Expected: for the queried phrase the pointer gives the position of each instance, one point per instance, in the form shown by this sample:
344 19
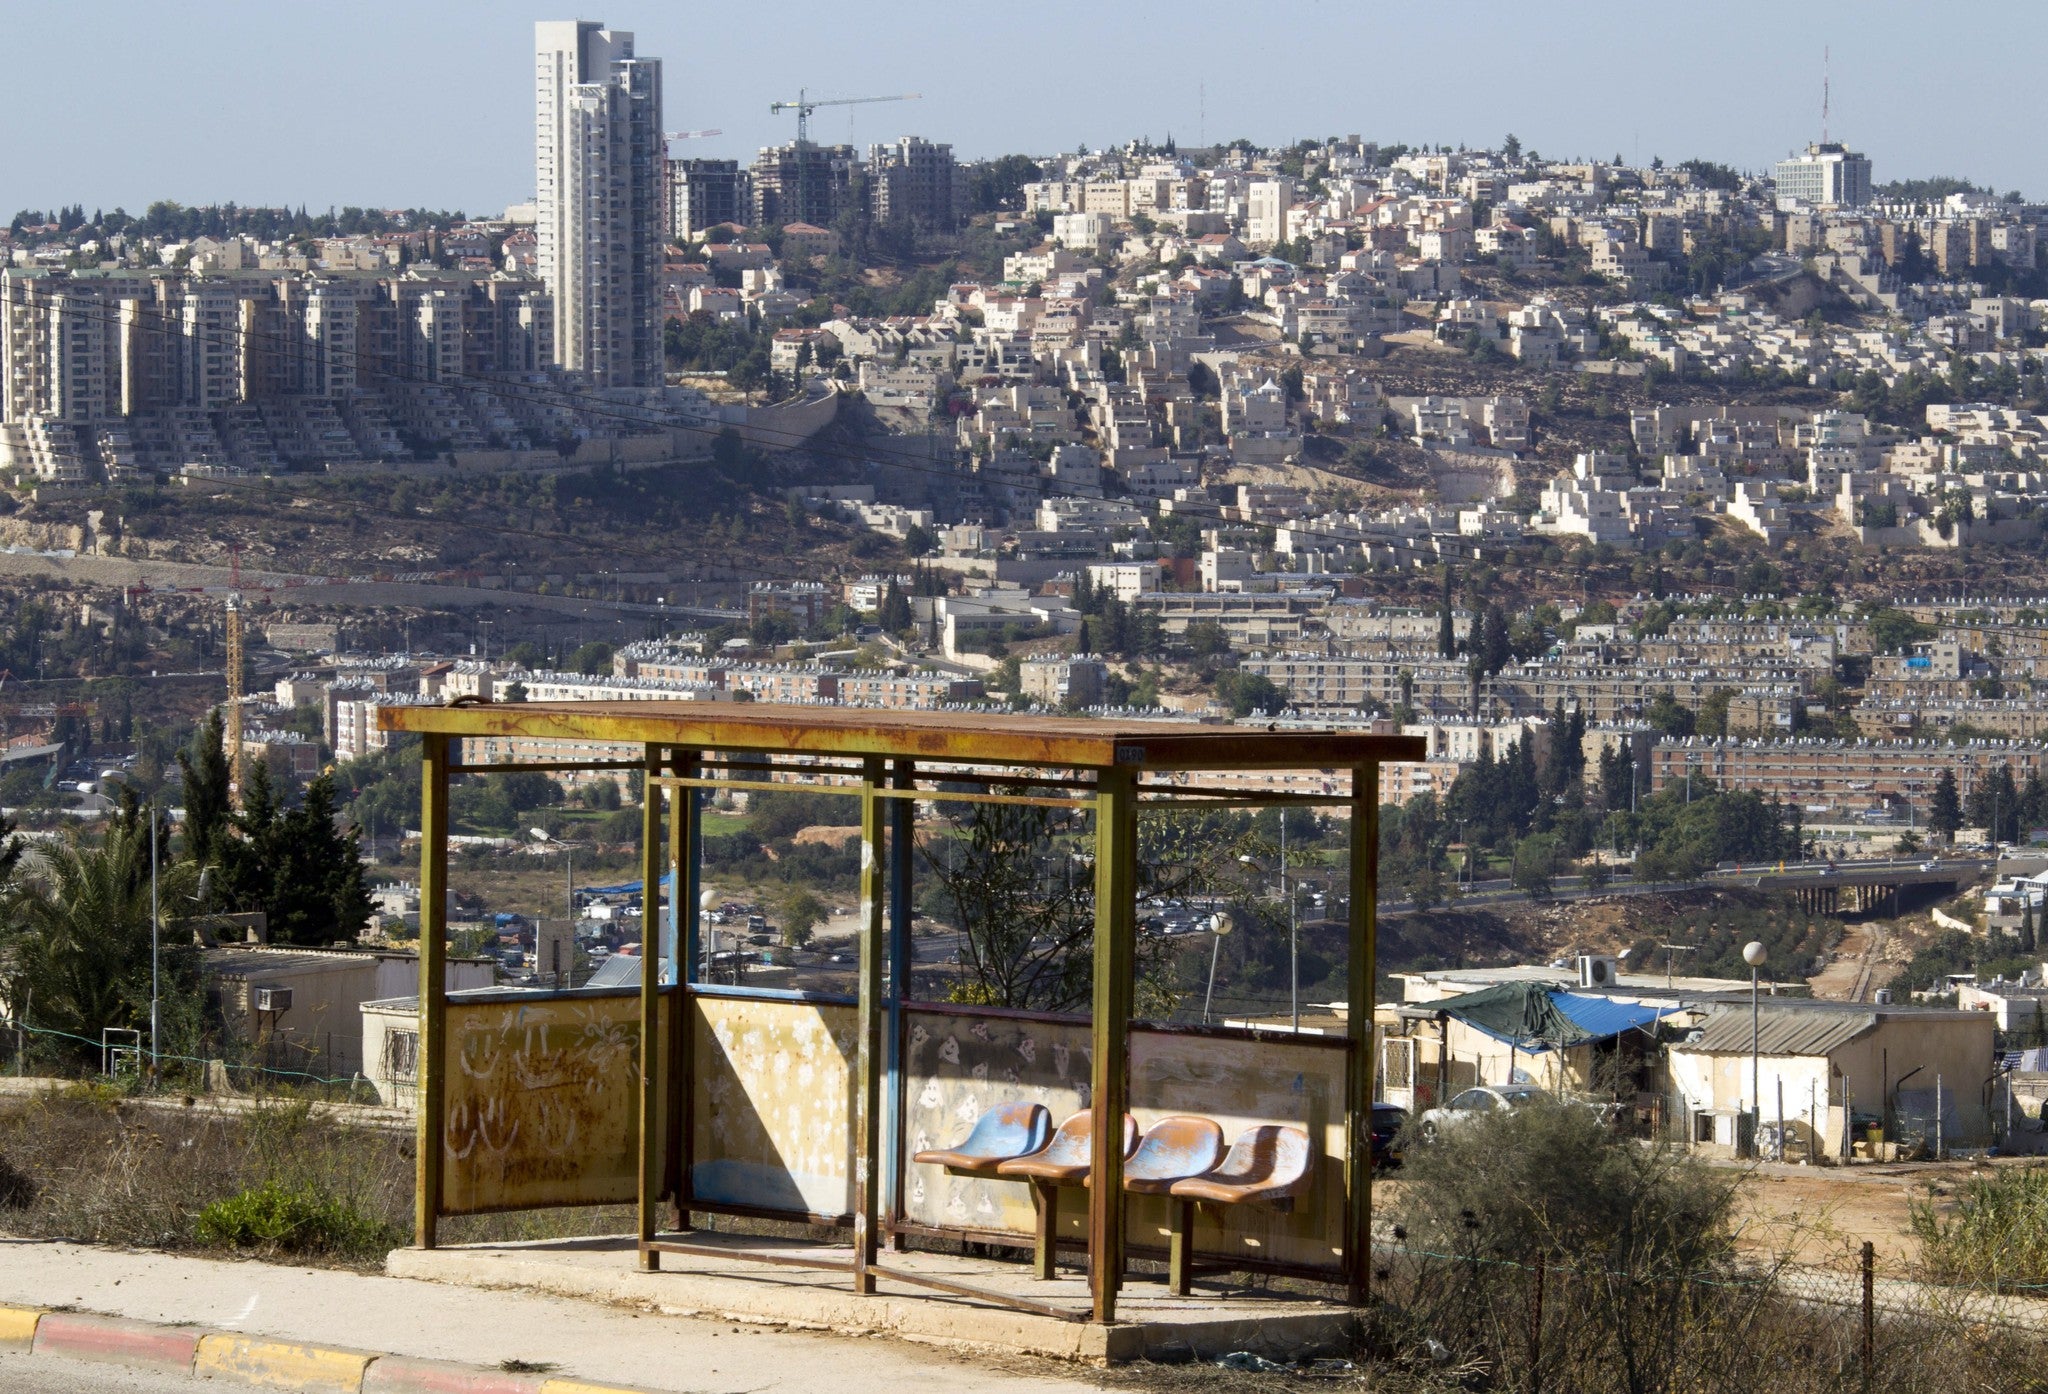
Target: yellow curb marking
18 1327
280 1364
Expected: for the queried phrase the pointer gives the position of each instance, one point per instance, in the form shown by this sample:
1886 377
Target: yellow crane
234 721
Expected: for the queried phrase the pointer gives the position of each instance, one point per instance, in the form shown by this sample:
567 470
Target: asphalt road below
114 572
42 1374
471 1326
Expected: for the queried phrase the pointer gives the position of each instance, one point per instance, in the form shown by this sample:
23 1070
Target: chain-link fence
127 1062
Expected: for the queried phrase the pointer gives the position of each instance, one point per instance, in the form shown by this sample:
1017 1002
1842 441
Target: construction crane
803 106
234 712
692 135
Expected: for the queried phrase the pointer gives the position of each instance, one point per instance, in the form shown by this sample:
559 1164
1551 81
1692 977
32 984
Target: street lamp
1220 924
1293 933
1754 954
705 902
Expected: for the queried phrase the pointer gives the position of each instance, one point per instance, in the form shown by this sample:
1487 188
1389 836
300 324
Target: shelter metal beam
902 853
685 842
433 1038
1361 990
1116 914
651 1062
868 1055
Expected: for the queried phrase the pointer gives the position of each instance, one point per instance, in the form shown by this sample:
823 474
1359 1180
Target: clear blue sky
430 102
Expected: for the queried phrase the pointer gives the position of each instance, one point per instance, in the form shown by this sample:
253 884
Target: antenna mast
1826 76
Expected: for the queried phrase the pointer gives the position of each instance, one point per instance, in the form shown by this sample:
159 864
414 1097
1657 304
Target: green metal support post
869 1056
651 1072
433 1040
685 838
1360 993
902 853
1116 908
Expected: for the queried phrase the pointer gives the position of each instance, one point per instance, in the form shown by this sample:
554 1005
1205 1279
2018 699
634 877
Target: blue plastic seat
1172 1150
1005 1132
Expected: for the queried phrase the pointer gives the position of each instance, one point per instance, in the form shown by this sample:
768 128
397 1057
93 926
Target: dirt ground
1819 1217
1822 1217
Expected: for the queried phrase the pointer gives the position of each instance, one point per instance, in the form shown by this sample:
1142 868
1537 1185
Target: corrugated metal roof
1810 1028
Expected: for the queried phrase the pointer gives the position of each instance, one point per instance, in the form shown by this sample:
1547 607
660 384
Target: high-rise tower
598 157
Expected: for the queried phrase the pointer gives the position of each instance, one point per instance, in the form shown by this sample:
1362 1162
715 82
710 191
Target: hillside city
1688 523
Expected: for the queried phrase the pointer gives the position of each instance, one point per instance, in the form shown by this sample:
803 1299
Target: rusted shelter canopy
1104 768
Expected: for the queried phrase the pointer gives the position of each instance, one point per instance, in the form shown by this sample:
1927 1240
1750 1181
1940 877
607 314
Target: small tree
1945 810
802 913
1531 873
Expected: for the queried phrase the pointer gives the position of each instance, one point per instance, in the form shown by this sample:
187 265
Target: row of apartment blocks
352 700
1854 778
1764 700
92 347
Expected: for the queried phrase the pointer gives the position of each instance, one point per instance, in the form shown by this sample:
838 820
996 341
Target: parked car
1387 1122
1483 1099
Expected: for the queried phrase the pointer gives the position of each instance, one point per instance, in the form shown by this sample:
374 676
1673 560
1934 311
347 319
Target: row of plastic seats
1182 1155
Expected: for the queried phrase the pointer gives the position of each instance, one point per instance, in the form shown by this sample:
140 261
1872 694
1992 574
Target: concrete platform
1219 1317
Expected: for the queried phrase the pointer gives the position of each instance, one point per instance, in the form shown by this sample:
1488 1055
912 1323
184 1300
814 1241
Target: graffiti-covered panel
541 1103
1240 1082
772 1115
955 1069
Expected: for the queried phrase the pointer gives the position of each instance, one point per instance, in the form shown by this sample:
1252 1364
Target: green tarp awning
1525 1014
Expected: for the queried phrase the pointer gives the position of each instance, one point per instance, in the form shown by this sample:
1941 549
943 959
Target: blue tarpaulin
1603 1017
623 888
1535 1018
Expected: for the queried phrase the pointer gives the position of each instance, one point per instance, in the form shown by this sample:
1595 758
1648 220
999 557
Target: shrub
17 1190
275 1218
1996 1235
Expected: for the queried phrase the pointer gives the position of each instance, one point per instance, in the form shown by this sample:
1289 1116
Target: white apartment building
1266 205
599 166
1826 176
1082 232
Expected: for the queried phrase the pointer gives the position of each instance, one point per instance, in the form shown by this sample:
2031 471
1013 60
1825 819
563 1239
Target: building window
401 1062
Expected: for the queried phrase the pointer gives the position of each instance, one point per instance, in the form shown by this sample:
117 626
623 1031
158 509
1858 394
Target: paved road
312 590
39 1374
475 1327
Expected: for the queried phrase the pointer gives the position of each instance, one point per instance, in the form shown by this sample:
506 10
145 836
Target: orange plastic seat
1002 1134
1266 1164
1066 1159
1173 1149
1270 1164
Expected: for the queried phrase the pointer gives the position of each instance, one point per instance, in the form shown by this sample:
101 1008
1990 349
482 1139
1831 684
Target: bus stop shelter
692 1098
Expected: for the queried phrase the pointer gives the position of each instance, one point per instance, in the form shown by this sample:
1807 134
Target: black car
1387 1122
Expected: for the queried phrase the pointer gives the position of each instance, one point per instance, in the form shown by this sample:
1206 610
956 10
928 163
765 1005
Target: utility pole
155 928
1293 936
1671 951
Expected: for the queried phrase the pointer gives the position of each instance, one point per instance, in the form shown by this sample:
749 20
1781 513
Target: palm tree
75 935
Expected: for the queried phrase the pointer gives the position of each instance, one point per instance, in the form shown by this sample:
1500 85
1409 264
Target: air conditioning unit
1599 970
273 999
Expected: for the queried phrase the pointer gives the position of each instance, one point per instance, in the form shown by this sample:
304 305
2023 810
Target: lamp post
1220 924
704 904
1754 954
1293 933
155 935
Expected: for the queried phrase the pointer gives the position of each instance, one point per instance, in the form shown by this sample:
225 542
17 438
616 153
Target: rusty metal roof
965 737
1803 1027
